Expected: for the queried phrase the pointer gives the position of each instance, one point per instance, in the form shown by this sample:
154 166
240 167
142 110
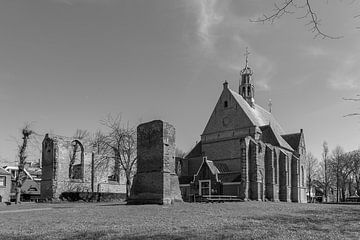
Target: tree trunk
309 200
343 194
128 185
326 183
117 165
17 195
22 158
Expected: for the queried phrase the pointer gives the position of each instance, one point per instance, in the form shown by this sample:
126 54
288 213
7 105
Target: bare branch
284 8
120 142
278 12
352 99
352 115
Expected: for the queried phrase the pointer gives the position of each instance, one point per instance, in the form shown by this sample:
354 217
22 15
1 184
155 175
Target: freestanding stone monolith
155 181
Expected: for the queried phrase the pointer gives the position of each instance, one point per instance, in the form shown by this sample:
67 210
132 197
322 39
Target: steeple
246 87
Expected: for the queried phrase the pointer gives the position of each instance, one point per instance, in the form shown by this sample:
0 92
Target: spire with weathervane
246 88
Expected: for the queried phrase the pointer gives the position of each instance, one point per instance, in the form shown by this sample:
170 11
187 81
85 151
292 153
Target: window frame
3 183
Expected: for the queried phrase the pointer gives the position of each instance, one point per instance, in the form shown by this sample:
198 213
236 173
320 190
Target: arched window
302 176
275 168
226 104
287 170
249 90
244 90
76 166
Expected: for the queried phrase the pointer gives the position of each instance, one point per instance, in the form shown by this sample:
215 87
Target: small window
2 181
226 104
32 189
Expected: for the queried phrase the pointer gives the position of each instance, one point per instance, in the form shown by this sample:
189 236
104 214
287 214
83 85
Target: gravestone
155 181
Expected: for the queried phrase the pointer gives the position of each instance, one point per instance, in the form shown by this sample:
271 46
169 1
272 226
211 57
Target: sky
67 64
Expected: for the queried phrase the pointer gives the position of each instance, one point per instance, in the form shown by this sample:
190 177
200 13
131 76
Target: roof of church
222 167
265 120
272 137
214 170
293 139
196 151
230 177
257 115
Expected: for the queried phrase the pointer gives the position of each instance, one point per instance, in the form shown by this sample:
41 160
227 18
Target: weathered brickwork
155 180
59 175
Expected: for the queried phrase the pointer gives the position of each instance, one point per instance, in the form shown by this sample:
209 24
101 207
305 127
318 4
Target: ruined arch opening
76 165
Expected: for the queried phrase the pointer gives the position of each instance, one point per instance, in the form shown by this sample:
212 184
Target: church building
244 152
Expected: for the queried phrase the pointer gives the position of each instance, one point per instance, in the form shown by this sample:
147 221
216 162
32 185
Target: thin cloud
72 2
219 31
208 17
346 75
314 51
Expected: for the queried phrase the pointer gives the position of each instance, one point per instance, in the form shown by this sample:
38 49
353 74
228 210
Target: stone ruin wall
155 180
56 152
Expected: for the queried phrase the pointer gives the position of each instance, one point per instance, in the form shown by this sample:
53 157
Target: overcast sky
66 64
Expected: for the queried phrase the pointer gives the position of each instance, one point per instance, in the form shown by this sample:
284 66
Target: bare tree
325 157
355 159
180 153
286 7
119 144
21 176
312 166
342 168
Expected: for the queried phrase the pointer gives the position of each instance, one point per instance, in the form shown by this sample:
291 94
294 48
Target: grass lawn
243 220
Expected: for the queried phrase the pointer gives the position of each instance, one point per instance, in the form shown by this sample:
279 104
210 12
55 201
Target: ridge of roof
214 170
196 151
245 107
257 115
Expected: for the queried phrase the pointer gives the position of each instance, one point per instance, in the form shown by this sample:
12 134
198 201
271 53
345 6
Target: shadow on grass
112 204
226 233
339 222
115 235
19 237
93 235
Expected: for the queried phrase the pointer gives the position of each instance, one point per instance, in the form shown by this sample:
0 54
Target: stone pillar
155 181
276 174
254 186
269 174
284 178
49 167
244 189
295 184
